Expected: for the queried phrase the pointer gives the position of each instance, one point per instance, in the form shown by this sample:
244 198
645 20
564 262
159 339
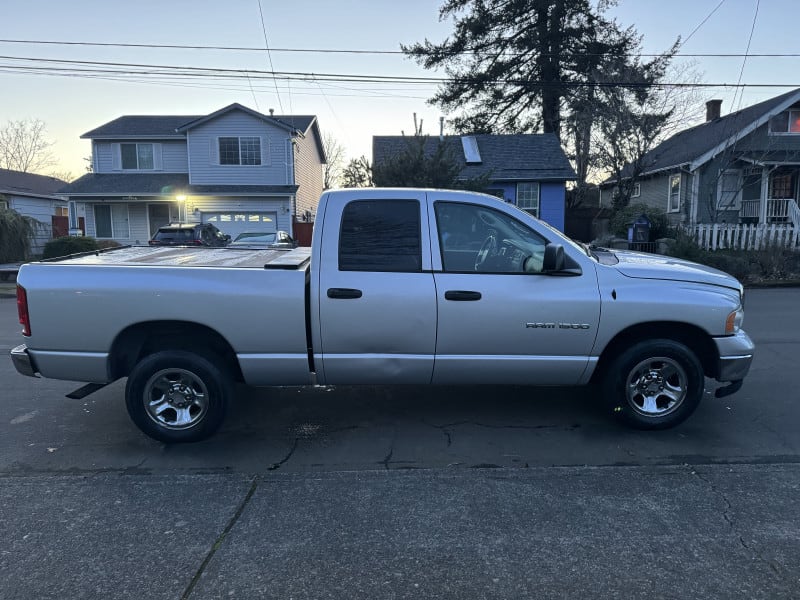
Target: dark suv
189 234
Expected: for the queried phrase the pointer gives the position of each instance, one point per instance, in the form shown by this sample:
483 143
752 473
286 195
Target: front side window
240 151
528 197
137 157
674 193
381 235
474 238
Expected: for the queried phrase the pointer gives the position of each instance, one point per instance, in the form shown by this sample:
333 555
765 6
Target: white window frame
138 144
637 190
114 234
790 113
722 203
262 156
670 179
4 203
533 207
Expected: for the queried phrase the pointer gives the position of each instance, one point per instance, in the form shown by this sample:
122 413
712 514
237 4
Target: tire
654 384
177 396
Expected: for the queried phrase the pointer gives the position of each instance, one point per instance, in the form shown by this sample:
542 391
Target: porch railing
778 209
716 236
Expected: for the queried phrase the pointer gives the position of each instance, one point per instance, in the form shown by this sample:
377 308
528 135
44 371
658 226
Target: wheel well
690 335
137 341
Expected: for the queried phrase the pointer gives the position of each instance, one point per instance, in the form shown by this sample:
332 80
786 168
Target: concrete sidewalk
725 531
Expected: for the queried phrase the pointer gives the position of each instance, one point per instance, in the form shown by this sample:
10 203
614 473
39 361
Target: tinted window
381 235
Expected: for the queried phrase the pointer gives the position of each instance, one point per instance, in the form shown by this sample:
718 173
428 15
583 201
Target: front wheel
178 396
654 384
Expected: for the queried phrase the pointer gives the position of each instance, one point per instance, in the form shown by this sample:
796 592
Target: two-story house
236 168
740 168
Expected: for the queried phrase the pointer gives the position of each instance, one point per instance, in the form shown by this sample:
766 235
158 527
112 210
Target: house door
158 215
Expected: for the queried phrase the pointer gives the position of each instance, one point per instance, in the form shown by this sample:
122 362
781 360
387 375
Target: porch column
762 206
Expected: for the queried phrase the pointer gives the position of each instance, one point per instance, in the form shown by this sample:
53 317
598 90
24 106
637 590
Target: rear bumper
23 362
735 355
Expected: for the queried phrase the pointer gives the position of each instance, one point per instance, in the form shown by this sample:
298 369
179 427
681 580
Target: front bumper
23 362
735 355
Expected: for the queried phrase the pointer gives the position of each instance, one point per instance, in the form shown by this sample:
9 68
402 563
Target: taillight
22 309
198 243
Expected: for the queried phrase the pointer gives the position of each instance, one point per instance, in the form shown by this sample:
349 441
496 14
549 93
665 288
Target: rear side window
381 235
175 235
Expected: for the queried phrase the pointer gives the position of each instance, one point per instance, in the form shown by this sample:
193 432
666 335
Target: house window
729 190
3 204
382 235
61 211
240 151
787 122
137 157
636 191
528 197
782 185
674 193
102 221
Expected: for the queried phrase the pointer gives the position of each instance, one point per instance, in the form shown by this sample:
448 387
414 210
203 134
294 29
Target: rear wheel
178 396
654 384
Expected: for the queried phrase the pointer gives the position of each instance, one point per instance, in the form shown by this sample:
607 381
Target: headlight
734 321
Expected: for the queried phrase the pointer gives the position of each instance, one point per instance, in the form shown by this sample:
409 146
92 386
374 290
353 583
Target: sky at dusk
352 112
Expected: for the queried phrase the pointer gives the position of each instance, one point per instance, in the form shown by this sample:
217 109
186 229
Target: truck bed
186 256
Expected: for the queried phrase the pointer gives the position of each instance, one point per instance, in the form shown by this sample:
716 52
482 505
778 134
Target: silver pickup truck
400 286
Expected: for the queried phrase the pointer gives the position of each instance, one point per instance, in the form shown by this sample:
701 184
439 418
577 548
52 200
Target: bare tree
24 147
334 153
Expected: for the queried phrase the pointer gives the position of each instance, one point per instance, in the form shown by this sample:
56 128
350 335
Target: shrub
64 246
622 219
16 233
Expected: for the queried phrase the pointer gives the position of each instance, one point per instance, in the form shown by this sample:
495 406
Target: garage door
235 223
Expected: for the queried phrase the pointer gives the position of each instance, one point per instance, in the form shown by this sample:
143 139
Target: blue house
528 170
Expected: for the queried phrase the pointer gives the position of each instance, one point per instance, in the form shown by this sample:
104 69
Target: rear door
377 301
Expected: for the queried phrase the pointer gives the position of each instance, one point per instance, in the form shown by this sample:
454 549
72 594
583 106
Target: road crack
280 463
220 539
726 515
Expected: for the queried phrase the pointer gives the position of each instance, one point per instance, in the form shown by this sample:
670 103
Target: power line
371 51
78 67
269 55
703 22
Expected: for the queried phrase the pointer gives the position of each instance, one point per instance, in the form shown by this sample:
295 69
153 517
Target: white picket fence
716 236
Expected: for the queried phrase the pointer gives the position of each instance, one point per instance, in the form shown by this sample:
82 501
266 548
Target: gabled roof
699 144
28 184
141 127
298 123
518 157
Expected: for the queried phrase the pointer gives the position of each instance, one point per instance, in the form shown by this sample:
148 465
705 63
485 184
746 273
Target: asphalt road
394 492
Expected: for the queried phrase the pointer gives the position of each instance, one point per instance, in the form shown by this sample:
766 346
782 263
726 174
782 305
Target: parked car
393 290
189 234
264 239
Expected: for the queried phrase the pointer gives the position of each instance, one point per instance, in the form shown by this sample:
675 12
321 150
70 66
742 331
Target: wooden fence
716 236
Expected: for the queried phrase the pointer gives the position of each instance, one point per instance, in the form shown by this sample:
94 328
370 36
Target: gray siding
41 209
761 140
204 167
654 192
130 221
308 174
173 154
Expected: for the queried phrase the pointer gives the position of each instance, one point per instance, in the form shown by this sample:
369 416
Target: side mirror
553 258
227 238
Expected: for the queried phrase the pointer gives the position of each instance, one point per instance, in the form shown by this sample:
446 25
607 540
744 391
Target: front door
501 320
377 299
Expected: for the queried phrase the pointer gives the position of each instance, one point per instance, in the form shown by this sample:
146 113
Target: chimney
272 111
713 110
